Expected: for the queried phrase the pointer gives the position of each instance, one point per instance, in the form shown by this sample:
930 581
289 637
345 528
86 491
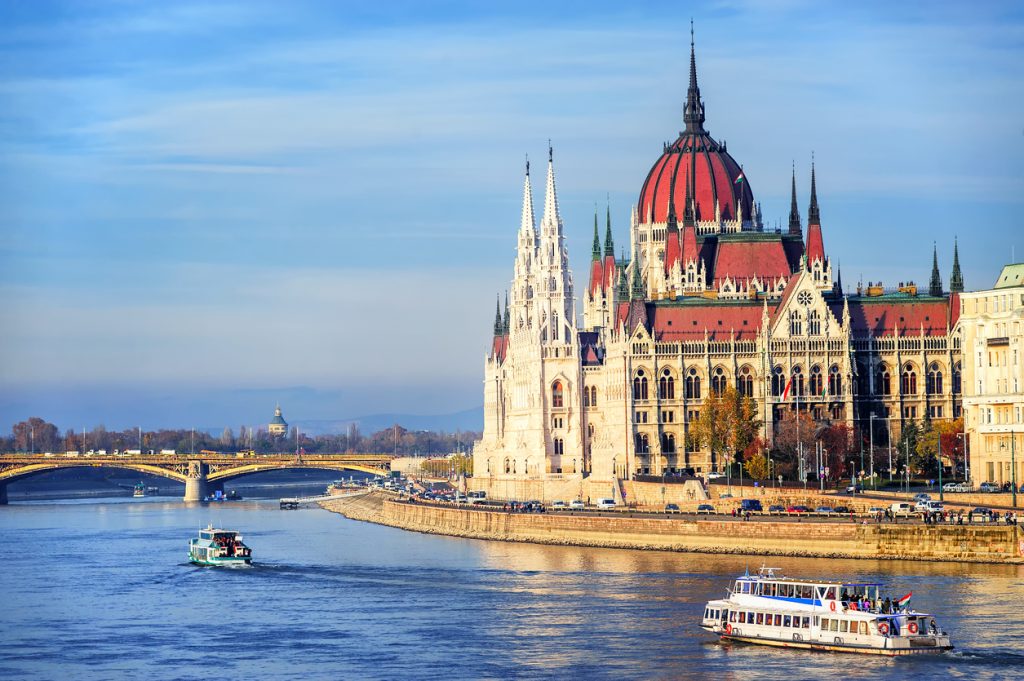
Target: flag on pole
903 601
739 178
785 393
824 388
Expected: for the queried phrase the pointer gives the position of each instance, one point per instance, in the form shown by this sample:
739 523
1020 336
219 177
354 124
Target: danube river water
101 589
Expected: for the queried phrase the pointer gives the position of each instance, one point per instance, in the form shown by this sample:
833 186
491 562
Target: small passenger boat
849 617
218 547
140 490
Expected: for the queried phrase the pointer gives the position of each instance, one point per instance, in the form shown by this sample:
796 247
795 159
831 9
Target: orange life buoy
728 628
883 628
912 627
832 605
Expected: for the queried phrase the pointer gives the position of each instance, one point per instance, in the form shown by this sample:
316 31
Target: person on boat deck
887 605
845 596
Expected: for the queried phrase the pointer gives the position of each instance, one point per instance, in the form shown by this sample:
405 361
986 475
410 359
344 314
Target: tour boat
218 547
140 490
848 617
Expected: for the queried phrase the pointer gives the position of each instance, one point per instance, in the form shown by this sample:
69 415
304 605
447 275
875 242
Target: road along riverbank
833 539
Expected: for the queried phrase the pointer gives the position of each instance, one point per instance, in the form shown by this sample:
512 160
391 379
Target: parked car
902 508
854 489
797 509
988 487
716 476
725 496
706 508
824 510
876 509
844 510
558 506
671 508
605 504
751 506
922 497
576 505
980 513
776 508
951 487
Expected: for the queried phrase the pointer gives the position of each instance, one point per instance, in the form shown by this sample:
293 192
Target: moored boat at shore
769 609
218 547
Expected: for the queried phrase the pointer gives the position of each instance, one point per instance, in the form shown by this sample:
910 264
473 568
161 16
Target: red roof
689 322
689 244
744 260
714 180
815 244
498 348
610 271
881 317
673 251
596 276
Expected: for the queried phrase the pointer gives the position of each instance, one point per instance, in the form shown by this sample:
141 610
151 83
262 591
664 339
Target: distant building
993 342
277 425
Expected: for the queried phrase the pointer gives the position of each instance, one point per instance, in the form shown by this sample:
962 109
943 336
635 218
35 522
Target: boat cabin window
864 628
760 618
844 626
732 616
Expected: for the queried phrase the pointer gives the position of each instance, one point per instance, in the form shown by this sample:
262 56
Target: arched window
745 382
815 381
590 431
883 381
778 382
796 327
692 385
640 386
559 446
957 387
668 443
557 396
718 381
643 444
934 381
813 323
586 396
667 386
835 381
798 381
908 381
508 465
554 326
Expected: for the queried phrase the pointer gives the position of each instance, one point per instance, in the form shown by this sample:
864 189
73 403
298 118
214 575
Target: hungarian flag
903 601
785 393
739 178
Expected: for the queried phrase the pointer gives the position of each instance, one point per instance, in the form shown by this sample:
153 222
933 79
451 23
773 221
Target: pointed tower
935 283
693 111
593 301
498 326
521 300
956 280
814 256
554 291
506 323
794 212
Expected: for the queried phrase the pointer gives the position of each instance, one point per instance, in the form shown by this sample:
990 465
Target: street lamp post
871 457
940 467
1013 466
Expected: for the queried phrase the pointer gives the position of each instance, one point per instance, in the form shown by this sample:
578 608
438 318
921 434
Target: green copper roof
1012 275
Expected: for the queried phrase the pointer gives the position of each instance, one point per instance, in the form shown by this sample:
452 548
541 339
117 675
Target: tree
837 439
755 458
907 445
35 434
925 455
793 430
727 424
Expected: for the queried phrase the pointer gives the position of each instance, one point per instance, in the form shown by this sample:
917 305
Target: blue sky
317 201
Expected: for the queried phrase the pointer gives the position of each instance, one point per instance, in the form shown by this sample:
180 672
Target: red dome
714 172
715 175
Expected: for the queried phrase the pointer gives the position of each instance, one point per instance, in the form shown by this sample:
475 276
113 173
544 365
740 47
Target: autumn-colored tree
755 460
924 456
36 434
727 424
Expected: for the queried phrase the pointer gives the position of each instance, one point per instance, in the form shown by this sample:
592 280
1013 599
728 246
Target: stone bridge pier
197 485
3 494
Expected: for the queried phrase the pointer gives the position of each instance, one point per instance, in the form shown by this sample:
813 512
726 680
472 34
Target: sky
210 207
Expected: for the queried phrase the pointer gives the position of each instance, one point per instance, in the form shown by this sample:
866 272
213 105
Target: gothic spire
794 212
609 247
551 220
813 216
597 239
693 112
636 291
497 317
528 221
688 217
956 280
935 284
507 321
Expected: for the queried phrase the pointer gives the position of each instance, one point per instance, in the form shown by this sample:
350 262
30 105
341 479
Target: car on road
797 509
876 509
706 508
844 510
824 510
576 505
727 495
956 487
751 506
921 496
716 476
988 487
854 489
606 504
558 506
902 508
776 508
980 513
671 508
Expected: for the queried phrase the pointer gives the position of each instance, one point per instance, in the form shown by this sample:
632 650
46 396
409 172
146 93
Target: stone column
196 486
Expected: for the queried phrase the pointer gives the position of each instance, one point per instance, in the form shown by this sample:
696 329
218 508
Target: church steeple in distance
935 283
956 280
597 238
693 112
609 247
794 212
813 215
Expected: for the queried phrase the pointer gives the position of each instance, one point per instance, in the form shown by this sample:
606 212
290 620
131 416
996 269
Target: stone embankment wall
979 544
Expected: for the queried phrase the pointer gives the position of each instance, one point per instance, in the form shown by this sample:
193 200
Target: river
101 589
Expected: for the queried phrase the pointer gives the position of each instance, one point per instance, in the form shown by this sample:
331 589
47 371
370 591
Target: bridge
201 474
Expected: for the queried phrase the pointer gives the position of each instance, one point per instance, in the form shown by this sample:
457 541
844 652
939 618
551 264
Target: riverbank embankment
967 543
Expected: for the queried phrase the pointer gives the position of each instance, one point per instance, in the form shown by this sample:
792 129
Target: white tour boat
849 617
